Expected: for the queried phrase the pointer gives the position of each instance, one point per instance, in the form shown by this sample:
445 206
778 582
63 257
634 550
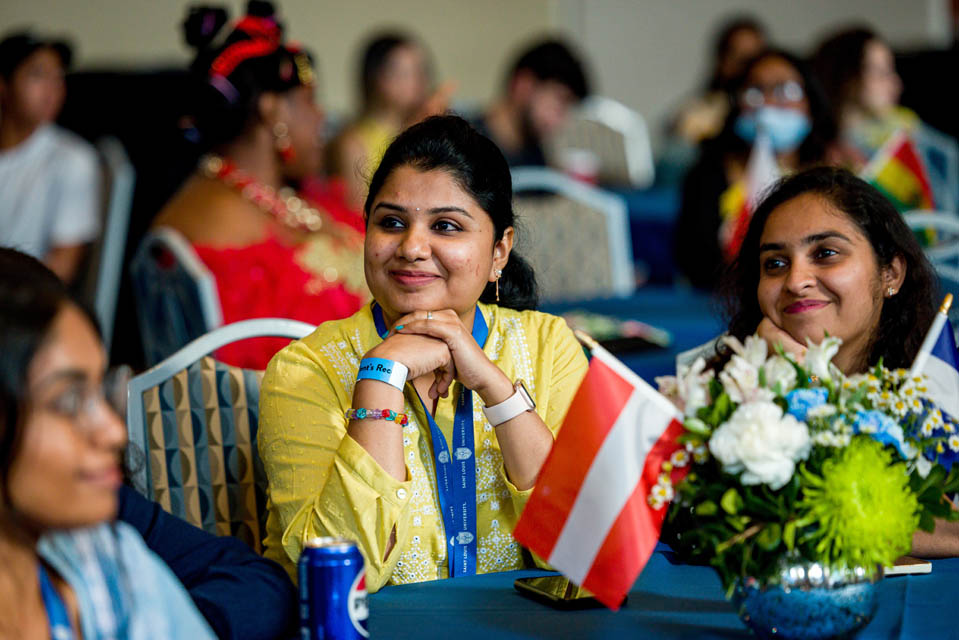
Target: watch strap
518 403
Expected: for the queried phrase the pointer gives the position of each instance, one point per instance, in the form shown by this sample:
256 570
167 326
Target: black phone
557 592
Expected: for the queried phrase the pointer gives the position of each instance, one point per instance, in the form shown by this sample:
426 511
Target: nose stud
429 315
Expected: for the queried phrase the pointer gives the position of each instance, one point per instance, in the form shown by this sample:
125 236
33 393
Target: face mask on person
786 128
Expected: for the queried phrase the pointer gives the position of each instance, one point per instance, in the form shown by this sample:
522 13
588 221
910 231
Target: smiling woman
827 254
66 567
417 426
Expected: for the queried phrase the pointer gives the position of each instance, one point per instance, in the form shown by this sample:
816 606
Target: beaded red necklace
284 205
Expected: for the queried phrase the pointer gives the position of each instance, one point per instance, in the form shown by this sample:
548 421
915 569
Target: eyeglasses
82 403
756 95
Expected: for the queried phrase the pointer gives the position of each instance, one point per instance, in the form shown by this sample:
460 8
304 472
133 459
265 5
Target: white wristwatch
514 405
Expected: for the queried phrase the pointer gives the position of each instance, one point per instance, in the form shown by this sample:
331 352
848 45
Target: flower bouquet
797 476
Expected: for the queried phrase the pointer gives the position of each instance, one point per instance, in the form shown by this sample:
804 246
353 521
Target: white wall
650 53
471 40
647 53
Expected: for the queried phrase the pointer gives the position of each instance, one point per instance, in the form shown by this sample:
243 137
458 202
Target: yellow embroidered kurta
322 483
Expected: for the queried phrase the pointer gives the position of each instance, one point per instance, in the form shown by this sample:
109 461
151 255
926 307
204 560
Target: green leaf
927 522
731 502
697 426
770 536
789 534
707 508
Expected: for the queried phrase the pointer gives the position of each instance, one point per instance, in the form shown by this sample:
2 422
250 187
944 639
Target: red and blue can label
332 577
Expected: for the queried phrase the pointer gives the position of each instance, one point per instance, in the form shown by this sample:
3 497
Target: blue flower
802 400
883 428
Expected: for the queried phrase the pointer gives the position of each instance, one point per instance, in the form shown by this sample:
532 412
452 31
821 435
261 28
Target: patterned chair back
176 294
576 237
193 422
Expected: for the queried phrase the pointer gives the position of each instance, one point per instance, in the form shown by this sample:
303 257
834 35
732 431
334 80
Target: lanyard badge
456 467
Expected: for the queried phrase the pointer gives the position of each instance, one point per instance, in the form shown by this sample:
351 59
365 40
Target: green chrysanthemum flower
863 504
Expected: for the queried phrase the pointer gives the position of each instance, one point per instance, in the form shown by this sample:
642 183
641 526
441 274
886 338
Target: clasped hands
443 345
775 335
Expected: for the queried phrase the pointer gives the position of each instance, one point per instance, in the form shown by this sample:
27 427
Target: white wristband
388 371
519 402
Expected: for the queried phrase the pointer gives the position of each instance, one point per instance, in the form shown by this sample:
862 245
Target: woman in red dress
272 253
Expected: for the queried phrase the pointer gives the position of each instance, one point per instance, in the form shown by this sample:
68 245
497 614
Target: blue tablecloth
668 601
691 318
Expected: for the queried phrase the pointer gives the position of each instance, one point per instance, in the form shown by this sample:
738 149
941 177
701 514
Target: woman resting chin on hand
827 254
417 426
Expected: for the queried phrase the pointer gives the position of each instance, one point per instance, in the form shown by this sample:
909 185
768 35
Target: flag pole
586 339
931 337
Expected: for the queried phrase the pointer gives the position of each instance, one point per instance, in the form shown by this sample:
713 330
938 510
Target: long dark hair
450 144
376 55
823 133
905 317
31 296
838 62
231 76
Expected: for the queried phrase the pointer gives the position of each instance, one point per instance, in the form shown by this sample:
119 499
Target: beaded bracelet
377 414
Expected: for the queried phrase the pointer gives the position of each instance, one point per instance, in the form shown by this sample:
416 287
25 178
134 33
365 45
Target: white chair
576 236
101 282
194 421
940 154
615 134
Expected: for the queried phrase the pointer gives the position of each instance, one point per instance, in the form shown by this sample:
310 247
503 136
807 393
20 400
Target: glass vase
808 600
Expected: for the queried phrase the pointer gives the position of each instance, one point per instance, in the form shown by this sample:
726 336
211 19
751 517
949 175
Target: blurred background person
395 91
49 178
778 95
858 72
272 253
737 42
545 82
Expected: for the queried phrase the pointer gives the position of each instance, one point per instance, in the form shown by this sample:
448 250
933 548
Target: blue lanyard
456 472
60 627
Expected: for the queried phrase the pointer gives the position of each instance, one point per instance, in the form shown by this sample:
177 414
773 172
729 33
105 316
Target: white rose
780 371
819 356
762 443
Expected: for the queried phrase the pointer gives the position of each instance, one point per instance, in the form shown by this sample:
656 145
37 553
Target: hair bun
260 9
202 24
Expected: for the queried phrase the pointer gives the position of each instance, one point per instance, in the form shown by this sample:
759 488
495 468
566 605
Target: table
691 317
669 600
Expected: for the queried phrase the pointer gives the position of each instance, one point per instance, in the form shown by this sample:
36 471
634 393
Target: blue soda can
332 578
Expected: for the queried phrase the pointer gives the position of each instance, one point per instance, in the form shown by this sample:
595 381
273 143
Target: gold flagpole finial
586 339
946 304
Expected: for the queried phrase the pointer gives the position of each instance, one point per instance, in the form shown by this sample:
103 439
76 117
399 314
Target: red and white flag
590 515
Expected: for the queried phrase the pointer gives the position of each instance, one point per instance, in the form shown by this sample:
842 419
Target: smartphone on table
557 591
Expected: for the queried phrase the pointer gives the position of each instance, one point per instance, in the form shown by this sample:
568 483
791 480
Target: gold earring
284 146
499 274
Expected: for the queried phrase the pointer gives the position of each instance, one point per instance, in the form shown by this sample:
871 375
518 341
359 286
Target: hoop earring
282 142
499 274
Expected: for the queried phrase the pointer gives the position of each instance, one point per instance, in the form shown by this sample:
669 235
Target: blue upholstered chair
176 294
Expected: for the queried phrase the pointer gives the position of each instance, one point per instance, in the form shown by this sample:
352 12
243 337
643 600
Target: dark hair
376 55
553 60
905 316
231 76
450 144
823 133
838 62
17 47
723 43
31 296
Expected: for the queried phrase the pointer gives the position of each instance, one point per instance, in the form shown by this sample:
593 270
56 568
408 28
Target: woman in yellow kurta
439 495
